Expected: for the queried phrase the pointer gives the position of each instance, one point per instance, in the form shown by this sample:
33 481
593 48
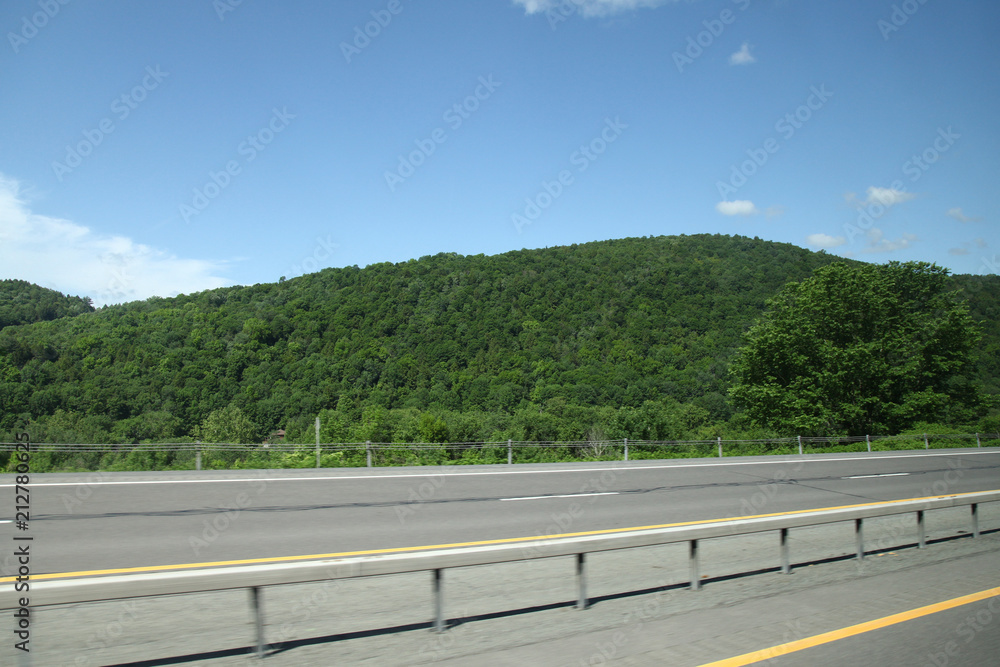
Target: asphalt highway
104 521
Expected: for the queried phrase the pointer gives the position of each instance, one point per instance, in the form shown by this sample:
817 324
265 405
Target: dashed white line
885 474
569 495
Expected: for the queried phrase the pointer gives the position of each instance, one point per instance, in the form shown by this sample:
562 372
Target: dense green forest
22 302
623 338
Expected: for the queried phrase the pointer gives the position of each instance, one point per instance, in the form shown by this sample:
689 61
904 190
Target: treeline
624 338
22 302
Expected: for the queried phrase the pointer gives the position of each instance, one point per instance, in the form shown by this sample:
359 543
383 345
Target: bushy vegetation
626 338
22 302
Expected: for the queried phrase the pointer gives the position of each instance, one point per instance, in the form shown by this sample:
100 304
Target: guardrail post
978 441
626 449
510 452
439 624
581 581
368 452
786 563
317 442
975 520
859 537
258 618
693 565
868 439
197 456
927 444
921 530
720 446
800 445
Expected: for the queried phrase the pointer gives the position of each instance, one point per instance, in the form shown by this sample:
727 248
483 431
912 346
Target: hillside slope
605 325
22 302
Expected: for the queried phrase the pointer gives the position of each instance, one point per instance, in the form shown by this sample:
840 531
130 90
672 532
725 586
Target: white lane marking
616 467
885 474
570 495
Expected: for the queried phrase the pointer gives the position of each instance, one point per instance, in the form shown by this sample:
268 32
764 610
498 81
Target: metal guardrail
255 577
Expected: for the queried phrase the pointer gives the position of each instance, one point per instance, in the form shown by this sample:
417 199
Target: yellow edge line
508 540
834 635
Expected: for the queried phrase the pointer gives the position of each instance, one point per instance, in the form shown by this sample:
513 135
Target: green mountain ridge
22 302
626 336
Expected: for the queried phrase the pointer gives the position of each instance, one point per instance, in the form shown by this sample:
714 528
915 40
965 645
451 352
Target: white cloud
980 243
957 214
887 197
743 56
738 207
878 243
825 241
774 211
958 251
62 255
588 7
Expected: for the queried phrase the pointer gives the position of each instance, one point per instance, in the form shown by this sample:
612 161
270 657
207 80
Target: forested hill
22 302
534 343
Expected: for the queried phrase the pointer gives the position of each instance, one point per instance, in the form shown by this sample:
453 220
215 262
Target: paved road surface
517 614
126 520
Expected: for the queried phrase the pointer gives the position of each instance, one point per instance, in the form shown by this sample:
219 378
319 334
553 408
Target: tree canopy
860 349
22 302
623 338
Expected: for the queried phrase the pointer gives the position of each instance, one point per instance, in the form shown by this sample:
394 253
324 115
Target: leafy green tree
230 425
859 349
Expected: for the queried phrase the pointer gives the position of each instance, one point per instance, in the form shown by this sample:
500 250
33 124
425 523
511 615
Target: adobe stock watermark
223 7
325 247
899 17
701 42
562 12
593 488
786 127
419 494
227 517
31 25
122 107
881 200
976 621
248 149
454 116
111 634
363 35
581 158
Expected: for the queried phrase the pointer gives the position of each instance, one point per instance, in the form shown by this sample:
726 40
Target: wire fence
56 457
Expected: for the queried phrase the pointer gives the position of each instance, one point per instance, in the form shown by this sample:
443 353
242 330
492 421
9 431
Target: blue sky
154 148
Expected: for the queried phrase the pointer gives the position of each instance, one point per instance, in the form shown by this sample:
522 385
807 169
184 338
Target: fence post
626 449
720 446
868 439
317 442
978 442
197 456
786 562
581 581
800 445
693 568
927 444
258 617
510 452
438 586
368 452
